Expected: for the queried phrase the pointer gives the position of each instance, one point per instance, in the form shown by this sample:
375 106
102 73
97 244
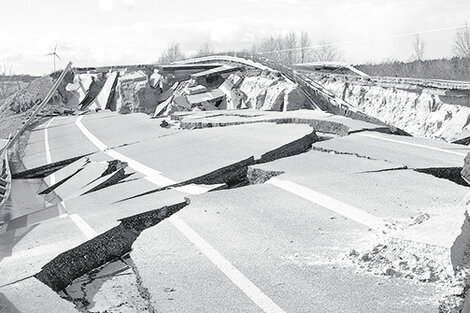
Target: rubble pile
417 262
162 93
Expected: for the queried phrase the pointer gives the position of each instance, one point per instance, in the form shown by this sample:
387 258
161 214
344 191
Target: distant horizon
110 32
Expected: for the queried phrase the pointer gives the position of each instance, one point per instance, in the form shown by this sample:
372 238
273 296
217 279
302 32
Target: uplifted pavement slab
116 129
292 250
64 142
325 122
194 153
378 187
409 151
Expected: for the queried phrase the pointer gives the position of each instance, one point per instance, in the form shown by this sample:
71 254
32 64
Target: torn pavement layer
114 243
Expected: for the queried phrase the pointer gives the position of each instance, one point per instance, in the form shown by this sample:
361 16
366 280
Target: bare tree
462 42
5 84
418 47
268 48
289 47
304 43
326 52
172 54
205 49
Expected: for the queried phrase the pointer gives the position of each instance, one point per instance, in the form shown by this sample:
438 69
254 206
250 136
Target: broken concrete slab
353 178
223 69
163 106
398 149
314 249
90 173
135 94
104 97
103 248
243 141
194 90
234 97
214 96
320 121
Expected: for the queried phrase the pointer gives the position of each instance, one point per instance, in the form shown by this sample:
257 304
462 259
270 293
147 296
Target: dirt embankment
432 109
16 108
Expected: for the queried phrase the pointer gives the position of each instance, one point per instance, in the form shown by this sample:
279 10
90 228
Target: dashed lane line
331 204
240 280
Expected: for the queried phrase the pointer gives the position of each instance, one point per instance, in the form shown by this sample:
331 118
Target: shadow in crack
235 175
449 173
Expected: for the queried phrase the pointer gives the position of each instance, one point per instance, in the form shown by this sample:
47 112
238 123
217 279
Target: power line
368 39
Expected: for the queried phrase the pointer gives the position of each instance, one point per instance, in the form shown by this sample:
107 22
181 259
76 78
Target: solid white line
48 150
151 174
412 144
331 204
253 292
83 226
240 280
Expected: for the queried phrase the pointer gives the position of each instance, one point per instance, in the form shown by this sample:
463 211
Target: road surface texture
269 214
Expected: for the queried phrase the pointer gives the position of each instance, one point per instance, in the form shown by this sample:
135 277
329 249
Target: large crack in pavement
113 287
235 175
117 242
47 169
112 244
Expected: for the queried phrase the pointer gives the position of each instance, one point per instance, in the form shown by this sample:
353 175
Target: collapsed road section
222 186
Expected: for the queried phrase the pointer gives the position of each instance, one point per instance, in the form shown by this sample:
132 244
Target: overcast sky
103 32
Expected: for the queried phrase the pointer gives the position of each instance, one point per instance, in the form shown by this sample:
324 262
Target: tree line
293 47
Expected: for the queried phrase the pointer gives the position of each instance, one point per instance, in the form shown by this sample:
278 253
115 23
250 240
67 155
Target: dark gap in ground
46 170
112 244
56 185
386 170
235 175
347 153
452 174
464 141
113 166
117 242
115 178
449 173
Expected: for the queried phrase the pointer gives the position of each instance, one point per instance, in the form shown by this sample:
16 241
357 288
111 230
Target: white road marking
155 177
240 280
332 204
62 210
151 174
48 149
83 226
412 144
79 222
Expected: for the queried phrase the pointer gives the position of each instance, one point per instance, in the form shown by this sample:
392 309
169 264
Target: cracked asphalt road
251 249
